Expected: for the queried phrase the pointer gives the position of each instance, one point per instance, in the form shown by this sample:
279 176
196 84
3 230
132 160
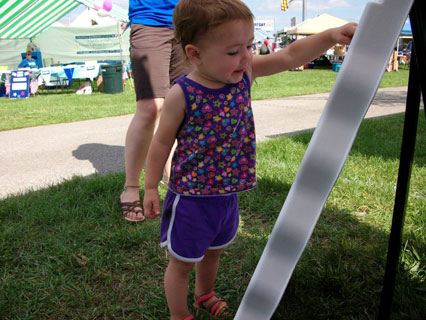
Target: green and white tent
25 19
28 18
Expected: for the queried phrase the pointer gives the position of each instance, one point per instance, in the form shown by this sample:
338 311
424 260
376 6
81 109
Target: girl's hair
193 18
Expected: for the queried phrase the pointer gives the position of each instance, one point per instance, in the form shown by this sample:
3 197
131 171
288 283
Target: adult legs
138 138
150 55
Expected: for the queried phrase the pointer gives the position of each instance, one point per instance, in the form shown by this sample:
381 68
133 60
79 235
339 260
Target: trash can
111 75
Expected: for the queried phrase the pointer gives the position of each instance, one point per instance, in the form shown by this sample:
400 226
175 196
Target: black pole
418 27
416 84
406 158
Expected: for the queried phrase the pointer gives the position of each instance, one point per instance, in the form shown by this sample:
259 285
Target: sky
350 10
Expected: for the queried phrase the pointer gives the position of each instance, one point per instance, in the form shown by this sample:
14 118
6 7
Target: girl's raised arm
301 51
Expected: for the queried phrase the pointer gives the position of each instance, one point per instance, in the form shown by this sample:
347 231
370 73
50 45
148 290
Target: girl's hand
345 33
151 203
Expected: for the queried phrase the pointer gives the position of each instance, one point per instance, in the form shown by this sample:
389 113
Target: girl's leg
206 272
176 281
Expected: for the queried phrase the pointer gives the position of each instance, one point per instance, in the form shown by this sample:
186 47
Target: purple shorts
192 225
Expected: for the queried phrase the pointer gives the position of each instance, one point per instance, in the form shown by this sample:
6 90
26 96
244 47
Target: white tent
79 44
10 52
316 25
63 44
89 37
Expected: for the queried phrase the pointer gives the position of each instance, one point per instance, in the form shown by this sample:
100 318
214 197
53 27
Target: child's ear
193 53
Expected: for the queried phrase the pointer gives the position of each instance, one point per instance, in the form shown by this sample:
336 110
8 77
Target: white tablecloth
51 76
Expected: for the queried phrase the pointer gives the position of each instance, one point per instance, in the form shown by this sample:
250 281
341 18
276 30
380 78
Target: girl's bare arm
301 51
172 115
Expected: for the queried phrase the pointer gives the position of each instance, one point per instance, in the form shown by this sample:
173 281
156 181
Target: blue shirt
31 63
154 13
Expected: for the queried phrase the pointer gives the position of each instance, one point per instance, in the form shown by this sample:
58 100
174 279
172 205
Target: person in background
264 49
273 46
209 112
30 63
156 62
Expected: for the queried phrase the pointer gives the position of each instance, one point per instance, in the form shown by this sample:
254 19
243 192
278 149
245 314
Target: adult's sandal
132 207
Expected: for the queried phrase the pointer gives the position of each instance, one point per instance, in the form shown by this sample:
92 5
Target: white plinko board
349 100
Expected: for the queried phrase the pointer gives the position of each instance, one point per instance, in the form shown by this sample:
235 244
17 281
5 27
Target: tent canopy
316 25
28 18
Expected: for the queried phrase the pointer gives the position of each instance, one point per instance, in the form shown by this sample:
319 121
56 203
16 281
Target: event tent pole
416 84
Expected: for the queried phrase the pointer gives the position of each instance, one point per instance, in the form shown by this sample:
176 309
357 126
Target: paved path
34 158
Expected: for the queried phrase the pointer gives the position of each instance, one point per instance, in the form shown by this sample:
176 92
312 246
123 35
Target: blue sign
19 84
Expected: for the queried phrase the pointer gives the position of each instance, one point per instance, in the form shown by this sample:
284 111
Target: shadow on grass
66 253
339 275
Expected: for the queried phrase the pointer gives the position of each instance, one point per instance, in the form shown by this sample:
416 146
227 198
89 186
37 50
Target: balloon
107 5
102 13
96 6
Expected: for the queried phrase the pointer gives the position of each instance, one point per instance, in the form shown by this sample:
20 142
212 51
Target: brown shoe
131 207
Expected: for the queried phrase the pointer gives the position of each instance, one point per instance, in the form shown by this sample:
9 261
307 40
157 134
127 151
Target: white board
349 100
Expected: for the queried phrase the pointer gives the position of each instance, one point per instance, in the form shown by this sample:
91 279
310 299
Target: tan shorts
157 60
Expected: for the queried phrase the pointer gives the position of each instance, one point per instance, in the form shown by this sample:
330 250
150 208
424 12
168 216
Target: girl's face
225 52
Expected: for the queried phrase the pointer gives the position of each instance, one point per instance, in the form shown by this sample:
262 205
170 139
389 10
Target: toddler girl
208 111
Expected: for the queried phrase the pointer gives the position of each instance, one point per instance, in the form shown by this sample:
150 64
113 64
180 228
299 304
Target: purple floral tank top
216 150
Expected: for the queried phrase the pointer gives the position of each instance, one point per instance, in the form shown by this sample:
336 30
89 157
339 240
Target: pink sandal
217 308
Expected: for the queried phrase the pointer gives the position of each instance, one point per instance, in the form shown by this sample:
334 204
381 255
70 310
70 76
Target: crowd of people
266 46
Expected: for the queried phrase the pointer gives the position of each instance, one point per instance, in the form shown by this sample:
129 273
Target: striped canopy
28 18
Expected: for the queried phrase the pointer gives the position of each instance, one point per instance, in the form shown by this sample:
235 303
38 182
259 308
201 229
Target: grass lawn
50 107
67 254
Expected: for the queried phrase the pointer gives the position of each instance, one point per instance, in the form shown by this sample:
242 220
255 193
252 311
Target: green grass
57 107
66 253
295 83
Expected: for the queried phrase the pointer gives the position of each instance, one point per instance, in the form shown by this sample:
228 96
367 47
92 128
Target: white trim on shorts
226 244
168 242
